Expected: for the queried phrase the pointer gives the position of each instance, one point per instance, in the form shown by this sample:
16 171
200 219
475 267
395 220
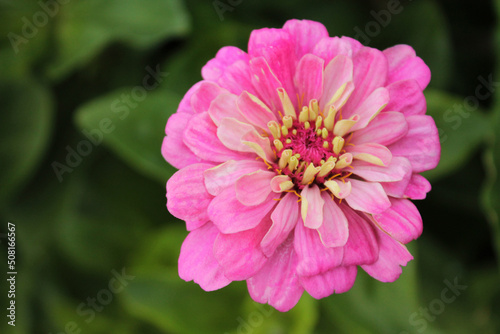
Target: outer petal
187 198
313 256
254 110
306 34
225 175
402 221
173 148
239 253
277 47
418 187
337 280
387 128
254 188
200 136
338 72
397 170
284 217
330 47
265 83
277 282
421 144
370 72
334 231
407 98
203 96
368 197
312 206
224 106
392 256
230 216
370 152
369 108
309 78
404 64
361 247
197 262
237 78
225 57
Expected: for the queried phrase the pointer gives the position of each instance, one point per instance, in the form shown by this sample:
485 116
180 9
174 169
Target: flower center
311 148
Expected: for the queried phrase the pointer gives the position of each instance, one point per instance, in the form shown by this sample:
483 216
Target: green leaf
160 297
25 125
134 130
86 27
461 130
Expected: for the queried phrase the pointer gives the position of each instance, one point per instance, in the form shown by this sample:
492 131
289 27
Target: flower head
297 162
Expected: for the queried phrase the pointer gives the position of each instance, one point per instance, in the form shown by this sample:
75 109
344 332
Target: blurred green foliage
86 89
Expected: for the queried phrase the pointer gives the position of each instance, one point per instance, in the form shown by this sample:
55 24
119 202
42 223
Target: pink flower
297 162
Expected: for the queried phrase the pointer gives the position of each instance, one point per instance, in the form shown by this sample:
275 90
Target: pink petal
398 188
418 187
368 197
185 104
197 262
369 108
225 57
392 255
397 170
231 132
361 247
239 253
370 72
337 280
334 231
278 49
173 148
306 34
330 47
421 144
277 283
203 96
309 78
312 206
338 72
313 256
370 152
224 106
225 175
230 216
259 145
385 129
407 98
187 198
404 64
254 188
237 78
265 83
284 217
402 220
255 111
200 136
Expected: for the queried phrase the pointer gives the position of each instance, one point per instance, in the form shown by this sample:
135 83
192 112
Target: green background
106 213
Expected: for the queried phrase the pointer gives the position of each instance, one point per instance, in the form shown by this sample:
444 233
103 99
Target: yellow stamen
325 144
284 130
319 120
304 115
330 119
326 168
310 173
342 127
307 125
288 141
313 109
288 121
278 144
294 131
287 104
293 163
324 133
275 129
285 157
344 161
338 144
